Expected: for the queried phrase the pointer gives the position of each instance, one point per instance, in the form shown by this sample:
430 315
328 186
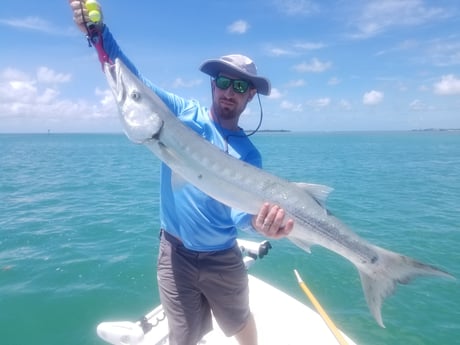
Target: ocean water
79 227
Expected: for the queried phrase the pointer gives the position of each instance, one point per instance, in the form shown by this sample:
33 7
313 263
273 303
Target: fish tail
392 268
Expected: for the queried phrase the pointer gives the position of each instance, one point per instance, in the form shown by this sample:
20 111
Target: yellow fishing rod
338 335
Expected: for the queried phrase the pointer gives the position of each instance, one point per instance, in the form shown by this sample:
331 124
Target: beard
227 109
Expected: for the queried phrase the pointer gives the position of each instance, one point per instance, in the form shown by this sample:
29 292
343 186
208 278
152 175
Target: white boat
280 318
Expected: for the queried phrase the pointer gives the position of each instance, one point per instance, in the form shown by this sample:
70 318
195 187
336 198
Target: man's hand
80 14
271 223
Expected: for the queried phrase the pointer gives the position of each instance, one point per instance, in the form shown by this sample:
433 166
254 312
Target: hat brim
214 67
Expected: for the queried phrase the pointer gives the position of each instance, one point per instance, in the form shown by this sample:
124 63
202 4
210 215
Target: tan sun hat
239 66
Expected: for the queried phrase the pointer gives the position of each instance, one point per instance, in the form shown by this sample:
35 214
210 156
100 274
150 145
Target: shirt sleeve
243 221
175 103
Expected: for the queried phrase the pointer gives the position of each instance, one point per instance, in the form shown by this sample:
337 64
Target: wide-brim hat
239 66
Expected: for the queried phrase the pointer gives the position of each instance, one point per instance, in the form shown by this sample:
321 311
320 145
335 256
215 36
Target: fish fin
392 269
305 245
319 192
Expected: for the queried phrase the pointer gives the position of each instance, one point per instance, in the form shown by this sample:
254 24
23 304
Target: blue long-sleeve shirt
199 221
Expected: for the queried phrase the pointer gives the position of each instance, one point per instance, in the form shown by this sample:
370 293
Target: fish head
138 110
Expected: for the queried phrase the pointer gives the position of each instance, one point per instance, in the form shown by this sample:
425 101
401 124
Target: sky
333 65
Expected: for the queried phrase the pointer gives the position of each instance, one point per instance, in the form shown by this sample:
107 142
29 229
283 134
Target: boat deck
280 319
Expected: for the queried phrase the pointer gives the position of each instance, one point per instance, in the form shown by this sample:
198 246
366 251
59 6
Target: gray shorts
191 284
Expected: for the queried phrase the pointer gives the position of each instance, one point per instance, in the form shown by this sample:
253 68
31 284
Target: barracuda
147 120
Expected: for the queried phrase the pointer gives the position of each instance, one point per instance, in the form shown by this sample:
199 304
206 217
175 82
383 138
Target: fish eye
135 95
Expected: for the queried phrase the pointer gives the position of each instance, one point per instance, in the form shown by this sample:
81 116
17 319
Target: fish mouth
112 73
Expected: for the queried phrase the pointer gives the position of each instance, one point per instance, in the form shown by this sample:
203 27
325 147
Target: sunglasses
239 85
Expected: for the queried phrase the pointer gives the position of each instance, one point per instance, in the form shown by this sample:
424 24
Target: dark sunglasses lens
223 83
240 86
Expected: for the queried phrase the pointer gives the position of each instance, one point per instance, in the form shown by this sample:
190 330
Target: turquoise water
79 221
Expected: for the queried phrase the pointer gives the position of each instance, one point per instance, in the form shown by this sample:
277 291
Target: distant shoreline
270 131
436 130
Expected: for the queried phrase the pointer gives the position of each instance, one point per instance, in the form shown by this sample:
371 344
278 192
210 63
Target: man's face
229 104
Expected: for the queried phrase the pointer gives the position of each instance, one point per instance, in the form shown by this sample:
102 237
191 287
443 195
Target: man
200 267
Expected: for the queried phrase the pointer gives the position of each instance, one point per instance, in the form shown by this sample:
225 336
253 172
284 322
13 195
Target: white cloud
179 82
418 105
286 105
315 66
334 81
294 49
274 51
30 97
275 94
48 76
378 16
296 83
47 96
17 91
373 97
106 99
106 106
308 46
238 27
35 24
448 85
13 74
32 23
445 51
319 103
